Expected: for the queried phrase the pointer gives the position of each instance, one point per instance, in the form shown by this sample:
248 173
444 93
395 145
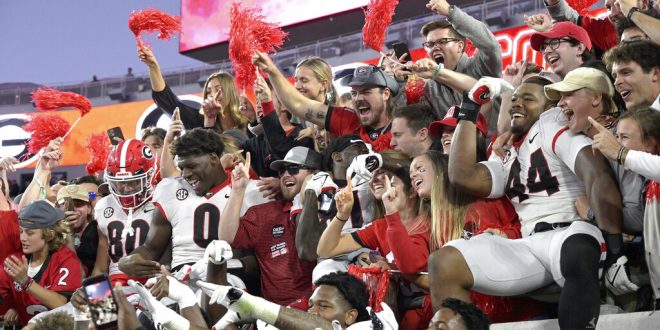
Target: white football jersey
195 219
539 176
111 220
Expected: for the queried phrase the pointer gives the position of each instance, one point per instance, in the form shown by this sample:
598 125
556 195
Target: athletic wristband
614 244
469 110
437 71
631 12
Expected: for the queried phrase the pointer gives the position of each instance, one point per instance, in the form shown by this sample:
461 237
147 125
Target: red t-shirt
267 229
496 213
10 241
344 121
410 253
61 272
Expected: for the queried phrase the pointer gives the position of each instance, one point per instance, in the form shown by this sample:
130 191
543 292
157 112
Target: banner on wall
130 117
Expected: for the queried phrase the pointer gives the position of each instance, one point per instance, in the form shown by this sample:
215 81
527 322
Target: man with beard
372 89
445 42
269 229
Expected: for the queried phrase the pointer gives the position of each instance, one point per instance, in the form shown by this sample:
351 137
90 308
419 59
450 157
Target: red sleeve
342 121
10 241
6 291
247 231
267 107
497 213
67 274
411 253
368 236
601 31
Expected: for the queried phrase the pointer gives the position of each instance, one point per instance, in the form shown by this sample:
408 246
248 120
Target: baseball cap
436 127
39 214
370 75
590 78
338 145
299 156
560 30
73 191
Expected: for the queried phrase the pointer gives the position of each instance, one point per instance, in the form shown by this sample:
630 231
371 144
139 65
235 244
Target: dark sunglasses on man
292 169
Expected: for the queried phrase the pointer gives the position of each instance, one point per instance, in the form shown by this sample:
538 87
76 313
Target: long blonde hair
230 100
449 205
398 164
323 72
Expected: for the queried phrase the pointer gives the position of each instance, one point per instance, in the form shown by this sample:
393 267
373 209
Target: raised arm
332 242
147 57
650 25
309 229
142 261
230 217
39 187
561 11
426 68
167 166
464 171
293 101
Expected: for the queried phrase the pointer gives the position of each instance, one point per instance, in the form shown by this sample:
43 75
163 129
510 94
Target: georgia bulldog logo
181 194
146 152
108 212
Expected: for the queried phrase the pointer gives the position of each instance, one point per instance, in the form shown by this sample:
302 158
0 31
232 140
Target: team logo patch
181 194
278 231
108 212
146 152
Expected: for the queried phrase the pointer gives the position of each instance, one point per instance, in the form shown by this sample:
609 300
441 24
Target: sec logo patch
108 212
181 194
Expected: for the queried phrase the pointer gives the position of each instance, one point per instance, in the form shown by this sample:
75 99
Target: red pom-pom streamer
581 6
48 99
377 282
151 21
43 128
98 146
414 90
249 32
378 17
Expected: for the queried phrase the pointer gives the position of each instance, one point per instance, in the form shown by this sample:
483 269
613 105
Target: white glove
386 317
218 252
244 304
616 278
181 293
320 183
230 317
362 168
163 317
487 88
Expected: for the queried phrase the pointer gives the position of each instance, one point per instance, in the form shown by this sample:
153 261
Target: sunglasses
292 169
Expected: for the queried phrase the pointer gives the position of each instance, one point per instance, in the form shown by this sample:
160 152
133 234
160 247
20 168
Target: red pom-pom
43 128
48 99
581 6
414 90
378 17
249 32
377 282
98 146
151 21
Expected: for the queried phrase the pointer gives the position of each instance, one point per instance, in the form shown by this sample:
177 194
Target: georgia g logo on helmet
129 171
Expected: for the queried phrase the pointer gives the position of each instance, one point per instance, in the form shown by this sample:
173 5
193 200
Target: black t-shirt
86 250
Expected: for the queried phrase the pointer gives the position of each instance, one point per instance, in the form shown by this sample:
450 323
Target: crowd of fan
306 209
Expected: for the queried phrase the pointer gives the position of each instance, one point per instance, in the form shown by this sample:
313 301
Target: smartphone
68 204
400 48
326 202
115 135
101 301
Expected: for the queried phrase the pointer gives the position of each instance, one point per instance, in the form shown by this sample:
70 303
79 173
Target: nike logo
226 195
533 137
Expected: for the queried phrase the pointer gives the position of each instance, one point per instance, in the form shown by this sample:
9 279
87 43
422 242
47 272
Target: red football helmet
129 173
